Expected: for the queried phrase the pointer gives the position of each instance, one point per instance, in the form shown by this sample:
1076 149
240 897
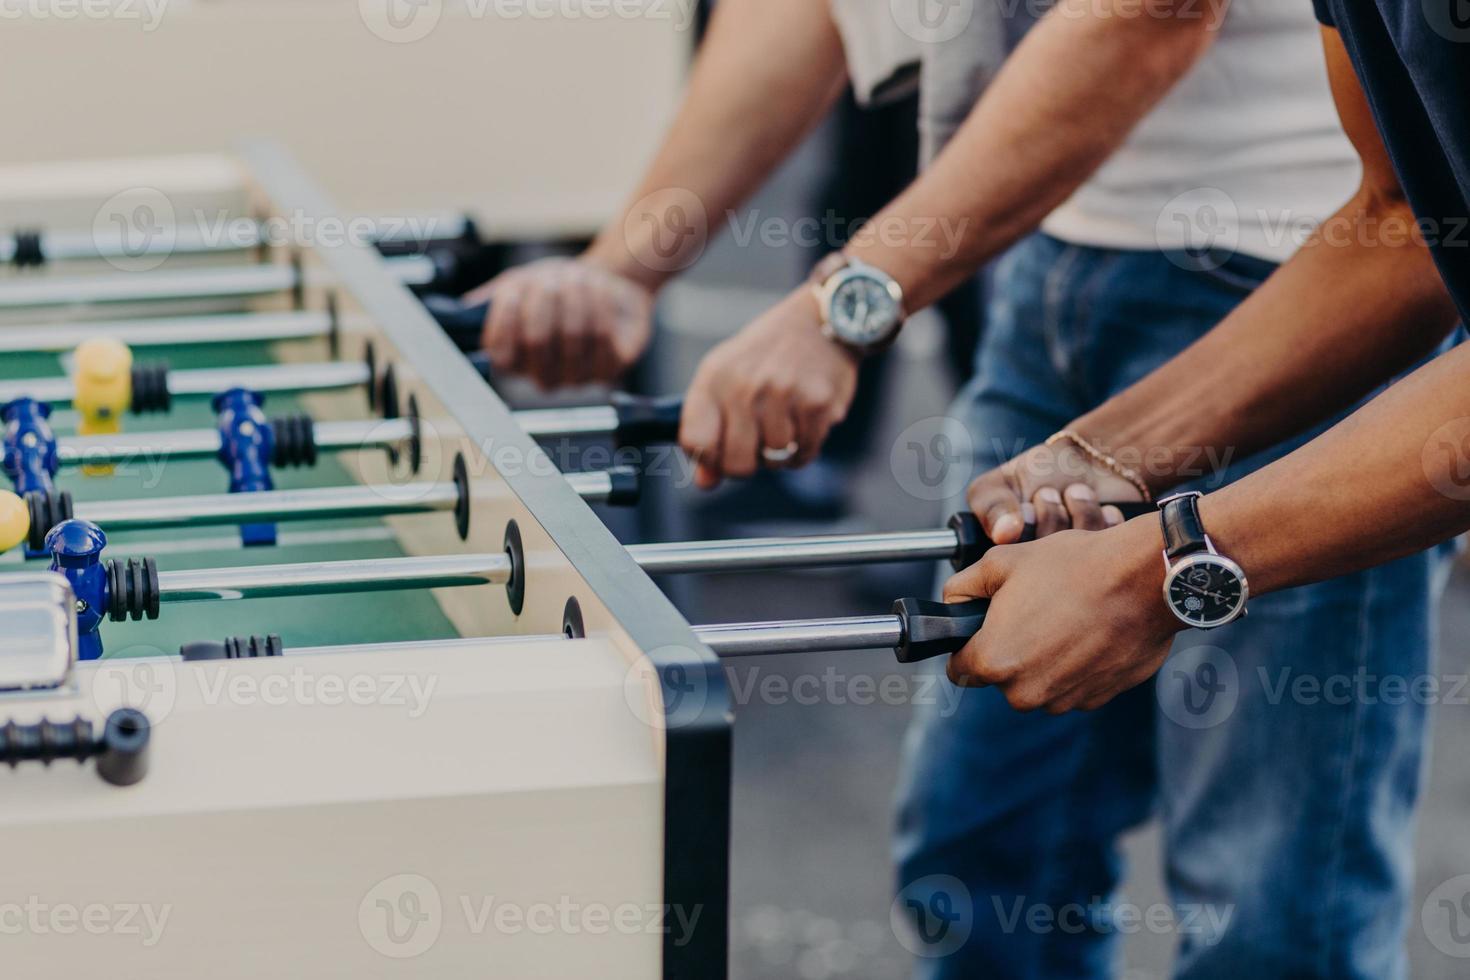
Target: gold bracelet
1104 460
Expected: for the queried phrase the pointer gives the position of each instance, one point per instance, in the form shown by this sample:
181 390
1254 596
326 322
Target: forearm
1387 482
1351 310
767 73
1068 97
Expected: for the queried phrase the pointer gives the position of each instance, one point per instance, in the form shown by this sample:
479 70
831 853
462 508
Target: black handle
467 239
465 325
934 629
647 421
627 486
121 751
972 541
233 648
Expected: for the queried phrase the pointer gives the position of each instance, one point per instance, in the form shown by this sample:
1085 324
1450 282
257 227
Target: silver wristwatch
861 305
1202 587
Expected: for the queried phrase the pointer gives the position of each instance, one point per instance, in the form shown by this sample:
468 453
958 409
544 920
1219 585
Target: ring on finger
784 455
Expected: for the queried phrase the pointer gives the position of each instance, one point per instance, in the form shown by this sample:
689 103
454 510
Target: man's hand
772 392
565 321
1062 486
1075 619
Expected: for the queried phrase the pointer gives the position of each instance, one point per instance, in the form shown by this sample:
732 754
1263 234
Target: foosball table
360 683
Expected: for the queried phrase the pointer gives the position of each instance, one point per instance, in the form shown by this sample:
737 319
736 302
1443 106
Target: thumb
982 580
1000 510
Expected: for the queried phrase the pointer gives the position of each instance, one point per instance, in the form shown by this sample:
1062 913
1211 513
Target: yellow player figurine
104 390
15 521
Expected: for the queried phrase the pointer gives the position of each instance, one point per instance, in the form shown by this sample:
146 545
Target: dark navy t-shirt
1413 58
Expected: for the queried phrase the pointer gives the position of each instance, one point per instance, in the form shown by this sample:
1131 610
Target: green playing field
307 621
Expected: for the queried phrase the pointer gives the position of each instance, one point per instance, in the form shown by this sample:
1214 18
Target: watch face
863 311
1206 590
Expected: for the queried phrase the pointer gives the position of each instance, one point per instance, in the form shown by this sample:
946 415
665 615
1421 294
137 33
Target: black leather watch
1202 587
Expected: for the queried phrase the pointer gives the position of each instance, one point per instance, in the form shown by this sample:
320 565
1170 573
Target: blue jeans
1287 805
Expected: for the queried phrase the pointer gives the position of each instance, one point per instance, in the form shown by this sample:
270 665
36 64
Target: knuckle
1025 700
817 393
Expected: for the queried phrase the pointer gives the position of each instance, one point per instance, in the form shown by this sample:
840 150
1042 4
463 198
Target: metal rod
732 640
201 443
248 280
183 444
803 636
427 646
242 234
271 506
75 246
183 284
224 328
595 486
332 578
195 443
382 434
268 378
803 552
547 423
317 503
434 572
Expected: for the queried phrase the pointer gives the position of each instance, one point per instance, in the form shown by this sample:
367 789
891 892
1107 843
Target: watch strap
828 267
1184 532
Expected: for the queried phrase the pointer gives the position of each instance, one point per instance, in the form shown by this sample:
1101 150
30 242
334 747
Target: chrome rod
247 280
547 423
209 382
224 328
182 444
238 235
332 578
596 486
321 503
799 552
381 434
317 503
183 284
197 443
427 646
434 572
54 391
194 443
732 640
77 246
803 636
269 378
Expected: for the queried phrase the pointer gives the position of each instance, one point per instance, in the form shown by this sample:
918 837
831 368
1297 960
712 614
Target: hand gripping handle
647 421
973 542
935 629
